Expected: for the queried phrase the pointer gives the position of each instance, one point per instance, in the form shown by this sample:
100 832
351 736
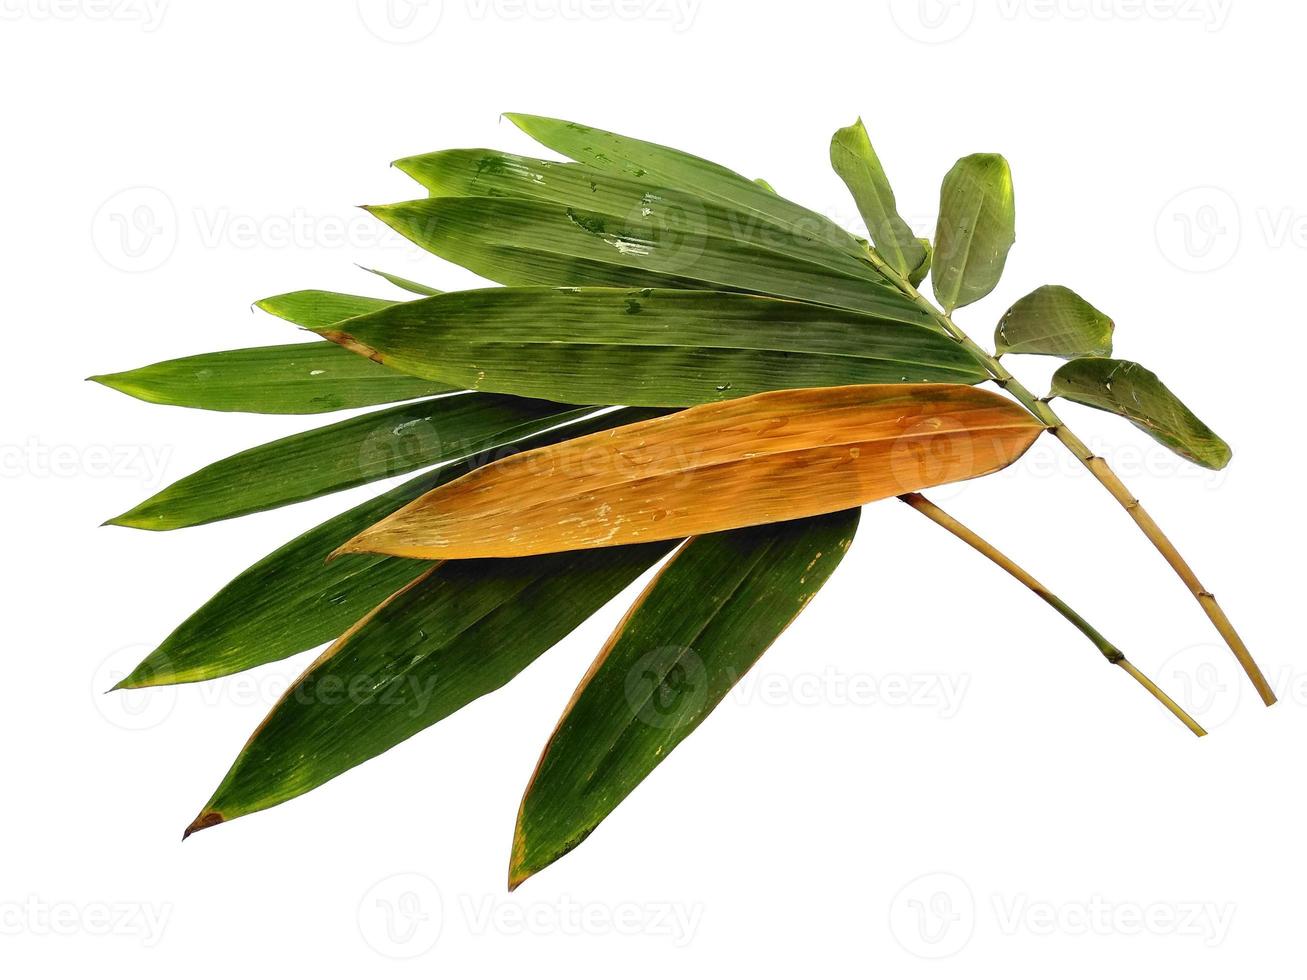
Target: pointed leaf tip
1130 390
700 625
455 633
855 161
292 600
207 819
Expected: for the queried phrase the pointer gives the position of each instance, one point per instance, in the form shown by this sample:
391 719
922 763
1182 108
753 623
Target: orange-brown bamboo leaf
775 456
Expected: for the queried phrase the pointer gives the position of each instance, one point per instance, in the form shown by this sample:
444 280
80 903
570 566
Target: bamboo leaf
977 226
344 454
291 379
648 346
319 307
662 165
1132 391
458 632
1054 320
408 285
541 243
294 599
627 200
854 159
772 457
712 611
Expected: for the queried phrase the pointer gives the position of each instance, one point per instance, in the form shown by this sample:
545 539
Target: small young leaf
1054 320
342 455
661 347
319 307
456 633
707 617
855 161
977 226
408 285
772 457
291 379
1134 392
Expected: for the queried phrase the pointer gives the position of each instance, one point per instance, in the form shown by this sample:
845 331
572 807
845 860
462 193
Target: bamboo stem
1105 647
1101 471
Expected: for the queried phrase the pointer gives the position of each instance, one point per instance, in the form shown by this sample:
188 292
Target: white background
926 717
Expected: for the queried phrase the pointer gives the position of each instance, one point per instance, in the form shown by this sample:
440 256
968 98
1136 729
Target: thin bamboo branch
1101 471
1105 647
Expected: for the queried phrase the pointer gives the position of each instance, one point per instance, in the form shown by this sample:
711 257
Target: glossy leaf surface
520 242
657 347
977 226
670 211
662 165
344 454
1054 320
458 632
290 379
294 599
854 159
707 617
1132 391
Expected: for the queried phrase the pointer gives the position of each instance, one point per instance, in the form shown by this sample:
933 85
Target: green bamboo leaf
665 166
647 347
977 226
319 307
294 599
712 611
588 190
406 284
458 632
291 379
342 455
521 242
1132 391
1054 320
854 159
